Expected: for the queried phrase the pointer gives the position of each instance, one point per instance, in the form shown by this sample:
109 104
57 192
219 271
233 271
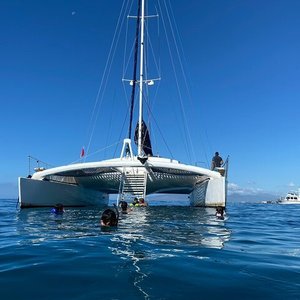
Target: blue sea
157 252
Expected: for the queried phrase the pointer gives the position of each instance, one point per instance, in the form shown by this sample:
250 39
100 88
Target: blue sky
242 65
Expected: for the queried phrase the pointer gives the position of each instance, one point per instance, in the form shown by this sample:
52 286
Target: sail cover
146 143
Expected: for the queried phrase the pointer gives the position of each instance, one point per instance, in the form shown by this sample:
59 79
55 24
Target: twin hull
89 184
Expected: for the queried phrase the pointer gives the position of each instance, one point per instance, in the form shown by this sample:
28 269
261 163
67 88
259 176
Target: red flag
82 152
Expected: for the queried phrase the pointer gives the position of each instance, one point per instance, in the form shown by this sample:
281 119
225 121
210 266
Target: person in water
58 209
139 202
110 217
142 202
217 161
124 207
135 202
220 213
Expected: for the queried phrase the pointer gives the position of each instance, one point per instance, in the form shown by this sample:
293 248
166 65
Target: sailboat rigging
136 46
142 136
130 175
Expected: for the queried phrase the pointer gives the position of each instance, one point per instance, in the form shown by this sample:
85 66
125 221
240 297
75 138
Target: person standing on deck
217 161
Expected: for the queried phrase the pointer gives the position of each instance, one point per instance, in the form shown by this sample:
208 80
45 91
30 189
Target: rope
186 84
102 149
104 79
136 47
38 161
156 123
176 80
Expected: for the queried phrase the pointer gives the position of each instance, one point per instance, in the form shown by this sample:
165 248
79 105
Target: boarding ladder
133 184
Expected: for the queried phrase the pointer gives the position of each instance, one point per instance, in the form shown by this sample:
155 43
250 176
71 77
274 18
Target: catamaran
132 174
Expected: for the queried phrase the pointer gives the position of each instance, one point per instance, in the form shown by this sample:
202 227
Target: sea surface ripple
157 252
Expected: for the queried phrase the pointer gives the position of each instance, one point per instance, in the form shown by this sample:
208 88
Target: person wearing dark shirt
217 161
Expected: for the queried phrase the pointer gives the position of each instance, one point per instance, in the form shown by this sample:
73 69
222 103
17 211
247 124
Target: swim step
134 185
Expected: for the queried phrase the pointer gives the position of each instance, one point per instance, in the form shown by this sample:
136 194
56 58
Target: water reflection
169 228
36 226
143 235
159 232
176 226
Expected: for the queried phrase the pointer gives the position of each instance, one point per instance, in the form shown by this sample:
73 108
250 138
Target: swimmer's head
109 218
220 212
123 205
58 208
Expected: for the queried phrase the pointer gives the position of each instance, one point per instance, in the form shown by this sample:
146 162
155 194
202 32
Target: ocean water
158 252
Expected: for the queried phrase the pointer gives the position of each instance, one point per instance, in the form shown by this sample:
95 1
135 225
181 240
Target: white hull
210 193
39 193
290 198
90 183
289 202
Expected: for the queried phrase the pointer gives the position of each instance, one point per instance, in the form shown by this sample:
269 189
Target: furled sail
146 143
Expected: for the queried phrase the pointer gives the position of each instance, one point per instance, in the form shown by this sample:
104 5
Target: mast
141 82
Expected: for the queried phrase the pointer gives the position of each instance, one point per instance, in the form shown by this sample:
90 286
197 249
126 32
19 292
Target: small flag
82 153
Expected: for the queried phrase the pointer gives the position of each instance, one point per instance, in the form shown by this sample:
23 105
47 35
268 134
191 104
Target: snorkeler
124 207
58 209
110 217
220 213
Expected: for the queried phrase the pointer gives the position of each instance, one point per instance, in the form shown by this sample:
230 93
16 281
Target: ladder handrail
133 183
